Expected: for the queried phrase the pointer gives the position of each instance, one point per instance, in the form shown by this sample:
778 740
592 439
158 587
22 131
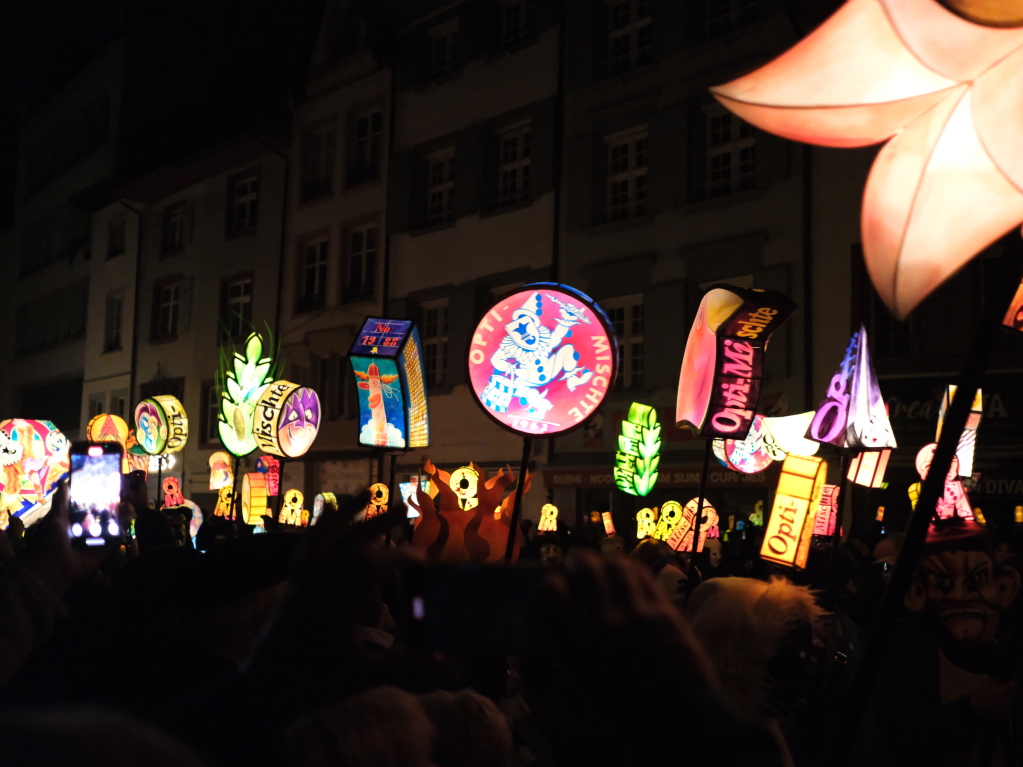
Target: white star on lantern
946 91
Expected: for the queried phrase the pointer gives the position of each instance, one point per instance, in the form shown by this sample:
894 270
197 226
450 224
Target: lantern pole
697 523
836 534
970 379
235 500
280 488
159 482
527 445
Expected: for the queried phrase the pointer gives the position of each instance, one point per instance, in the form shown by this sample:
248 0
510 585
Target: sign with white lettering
542 359
852 414
790 528
723 365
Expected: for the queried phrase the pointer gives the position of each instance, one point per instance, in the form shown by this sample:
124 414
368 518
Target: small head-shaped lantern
671 517
220 470
465 484
548 519
172 496
646 523
225 499
379 498
291 511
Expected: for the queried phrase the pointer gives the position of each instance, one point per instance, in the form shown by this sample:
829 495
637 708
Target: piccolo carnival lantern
161 425
541 361
639 451
790 528
387 362
34 458
242 379
287 419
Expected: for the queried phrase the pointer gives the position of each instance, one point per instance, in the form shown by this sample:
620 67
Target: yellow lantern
292 512
379 497
221 474
646 523
161 424
287 419
548 519
790 528
465 484
671 517
609 525
868 467
225 499
253 498
319 501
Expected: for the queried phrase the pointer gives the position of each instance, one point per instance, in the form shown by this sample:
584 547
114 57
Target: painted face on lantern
713 548
150 425
524 329
300 423
10 451
965 595
56 443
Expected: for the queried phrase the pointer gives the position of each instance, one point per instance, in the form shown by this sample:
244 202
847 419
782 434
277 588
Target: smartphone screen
95 492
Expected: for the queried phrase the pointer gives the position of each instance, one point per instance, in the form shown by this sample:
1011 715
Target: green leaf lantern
244 376
639 451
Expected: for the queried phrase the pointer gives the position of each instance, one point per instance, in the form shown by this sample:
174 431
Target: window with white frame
440 185
729 154
630 40
97 405
172 232
626 174
362 261
112 322
626 315
317 173
167 310
442 40
723 16
236 307
513 170
119 403
516 20
312 275
365 158
243 205
435 341
211 413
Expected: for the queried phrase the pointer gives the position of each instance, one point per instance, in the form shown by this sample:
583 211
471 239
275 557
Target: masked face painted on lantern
56 443
150 426
10 451
300 423
962 594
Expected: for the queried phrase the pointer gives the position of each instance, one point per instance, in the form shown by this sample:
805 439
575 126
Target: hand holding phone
95 493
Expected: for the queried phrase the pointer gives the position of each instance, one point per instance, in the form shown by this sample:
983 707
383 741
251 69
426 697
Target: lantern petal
852 82
998 115
947 43
914 233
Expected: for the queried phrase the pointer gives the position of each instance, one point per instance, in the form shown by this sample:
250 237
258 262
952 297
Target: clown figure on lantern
532 356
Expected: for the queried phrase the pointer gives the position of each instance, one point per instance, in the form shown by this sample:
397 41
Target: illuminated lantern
172 492
225 500
287 419
107 427
447 531
978 515
867 468
319 501
1018 515
852 414
387 361
270 467
34 458
465 483
945 90
749 455
253 498
790 528
671 517
243 377
542 359
717 447
379 497
757 517
785 435
646 523
221 474
196 520
827 511
954 501
723 365
639 448
548 519
1014 314
681 538
968 439
879 517
609 525
161 424
292 512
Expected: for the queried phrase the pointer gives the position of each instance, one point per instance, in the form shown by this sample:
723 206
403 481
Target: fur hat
741 623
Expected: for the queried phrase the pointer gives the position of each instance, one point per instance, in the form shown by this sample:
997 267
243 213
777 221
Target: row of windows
360 245
63 233
626 39
169 310
319 148
68 143
52 320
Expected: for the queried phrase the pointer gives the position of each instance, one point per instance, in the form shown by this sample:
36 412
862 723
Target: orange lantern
867 468
253 498
790 528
